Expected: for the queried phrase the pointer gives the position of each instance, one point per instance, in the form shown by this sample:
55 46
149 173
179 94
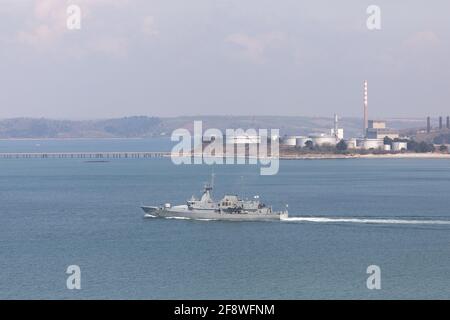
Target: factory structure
440 127
376 135
330 138
373 134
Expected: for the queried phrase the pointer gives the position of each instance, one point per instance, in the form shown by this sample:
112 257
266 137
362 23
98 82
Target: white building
289 141
399 146
339 135
368 144
323 139
301 141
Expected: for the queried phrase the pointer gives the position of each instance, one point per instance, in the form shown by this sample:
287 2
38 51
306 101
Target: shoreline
168 154
367 156
332 156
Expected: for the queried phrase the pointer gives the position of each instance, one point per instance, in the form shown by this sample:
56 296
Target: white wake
365 220
187 218
178 218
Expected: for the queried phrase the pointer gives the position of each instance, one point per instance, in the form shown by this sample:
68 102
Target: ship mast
209 186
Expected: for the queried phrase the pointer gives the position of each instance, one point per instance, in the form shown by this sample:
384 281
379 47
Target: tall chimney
366 120
440 123
448 122
335 124
428 125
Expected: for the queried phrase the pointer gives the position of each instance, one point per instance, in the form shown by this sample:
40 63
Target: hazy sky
225 57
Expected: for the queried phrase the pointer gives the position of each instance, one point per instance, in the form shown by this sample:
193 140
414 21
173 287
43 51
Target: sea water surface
345 215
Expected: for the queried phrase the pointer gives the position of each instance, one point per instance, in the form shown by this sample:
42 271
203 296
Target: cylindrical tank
323 139
289 141
372 144
399 146
301 141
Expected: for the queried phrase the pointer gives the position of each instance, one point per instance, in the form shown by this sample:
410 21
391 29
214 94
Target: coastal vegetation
342 148
144 126
442 139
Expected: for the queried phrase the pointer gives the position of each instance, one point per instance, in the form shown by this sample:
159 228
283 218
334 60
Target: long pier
82 155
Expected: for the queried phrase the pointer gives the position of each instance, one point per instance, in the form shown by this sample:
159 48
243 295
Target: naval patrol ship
231 207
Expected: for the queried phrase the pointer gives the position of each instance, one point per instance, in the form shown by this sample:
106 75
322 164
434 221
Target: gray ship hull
183 212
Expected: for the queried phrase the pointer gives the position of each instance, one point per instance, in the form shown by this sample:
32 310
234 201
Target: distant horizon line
415 118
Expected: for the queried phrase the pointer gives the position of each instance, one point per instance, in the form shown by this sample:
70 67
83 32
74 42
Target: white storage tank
289 141
323 139
372 144
399 146
301 141
339 134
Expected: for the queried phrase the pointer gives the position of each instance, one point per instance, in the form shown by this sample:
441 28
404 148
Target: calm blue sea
60 212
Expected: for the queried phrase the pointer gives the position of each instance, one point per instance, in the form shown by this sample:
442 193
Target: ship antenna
211 184
242 187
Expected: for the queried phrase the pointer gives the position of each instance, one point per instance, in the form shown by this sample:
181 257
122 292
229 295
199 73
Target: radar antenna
213 175
209 186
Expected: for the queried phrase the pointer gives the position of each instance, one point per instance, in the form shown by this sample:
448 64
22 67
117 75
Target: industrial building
289 141
374 133
368 144
377 130
302 140
399 146
337 132
323 139
318 139
440 125
374 130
